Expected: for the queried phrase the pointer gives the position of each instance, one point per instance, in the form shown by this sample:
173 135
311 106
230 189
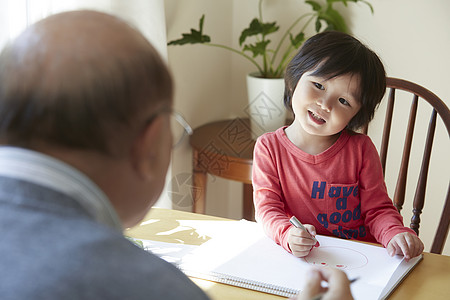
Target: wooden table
224 149
429 280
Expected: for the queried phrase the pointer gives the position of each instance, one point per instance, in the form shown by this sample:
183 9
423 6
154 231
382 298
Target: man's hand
338 285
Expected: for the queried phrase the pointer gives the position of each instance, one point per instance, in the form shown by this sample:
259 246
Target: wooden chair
422 96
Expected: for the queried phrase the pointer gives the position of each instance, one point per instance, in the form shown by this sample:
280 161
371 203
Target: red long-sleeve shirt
340 191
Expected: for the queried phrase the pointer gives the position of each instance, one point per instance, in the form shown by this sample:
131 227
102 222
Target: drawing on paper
338 257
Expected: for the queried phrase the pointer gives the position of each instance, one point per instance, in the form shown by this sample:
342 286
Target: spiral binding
244 283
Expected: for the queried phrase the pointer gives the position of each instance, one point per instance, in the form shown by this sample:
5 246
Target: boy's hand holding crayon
301 238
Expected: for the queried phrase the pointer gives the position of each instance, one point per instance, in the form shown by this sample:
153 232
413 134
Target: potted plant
271 62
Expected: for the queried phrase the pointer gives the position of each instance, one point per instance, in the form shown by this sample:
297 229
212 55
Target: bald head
77 42
79 79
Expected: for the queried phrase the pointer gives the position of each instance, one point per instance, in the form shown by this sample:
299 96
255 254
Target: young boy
318 169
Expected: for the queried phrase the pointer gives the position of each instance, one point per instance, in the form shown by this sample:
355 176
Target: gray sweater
51 248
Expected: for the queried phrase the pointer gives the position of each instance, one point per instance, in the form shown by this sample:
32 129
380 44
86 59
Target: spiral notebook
248 259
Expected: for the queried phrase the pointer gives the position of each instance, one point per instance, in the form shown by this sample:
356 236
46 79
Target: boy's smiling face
324 107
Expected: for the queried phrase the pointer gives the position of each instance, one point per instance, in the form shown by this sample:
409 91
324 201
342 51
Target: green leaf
255 28
258 48
368 4
315 6
195 37
297 40
321 16
345 3
333 19
318 24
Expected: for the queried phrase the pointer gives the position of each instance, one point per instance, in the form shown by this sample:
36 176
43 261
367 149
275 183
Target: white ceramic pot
265 107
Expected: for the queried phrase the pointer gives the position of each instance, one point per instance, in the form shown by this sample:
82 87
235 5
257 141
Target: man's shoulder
123 266
71 254
101 265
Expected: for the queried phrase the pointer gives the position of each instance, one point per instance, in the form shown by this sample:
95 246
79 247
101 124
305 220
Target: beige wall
411 37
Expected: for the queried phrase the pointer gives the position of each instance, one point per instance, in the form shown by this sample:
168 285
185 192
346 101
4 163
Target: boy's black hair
331 54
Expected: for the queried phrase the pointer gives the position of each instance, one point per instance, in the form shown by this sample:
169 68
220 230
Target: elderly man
85 103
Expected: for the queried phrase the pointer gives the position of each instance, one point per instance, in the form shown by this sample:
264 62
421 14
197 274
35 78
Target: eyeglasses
180 128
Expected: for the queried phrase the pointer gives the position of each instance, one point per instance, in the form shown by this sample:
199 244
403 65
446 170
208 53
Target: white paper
247 253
